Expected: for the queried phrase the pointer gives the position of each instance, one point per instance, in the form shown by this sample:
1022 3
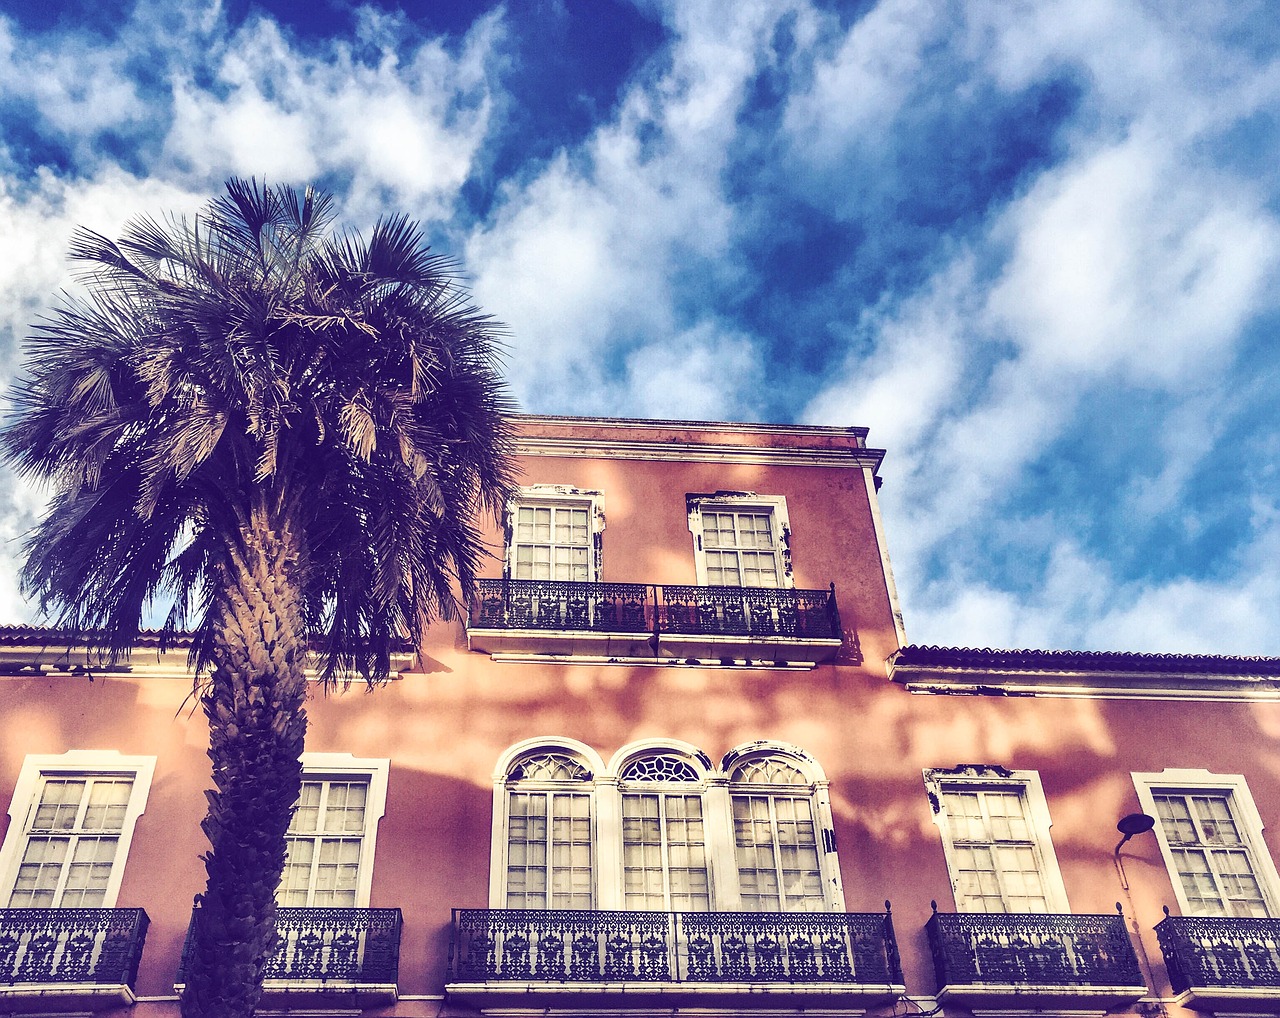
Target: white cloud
702 373
80 88
1125 261
855 95
583 261
403 132
914 371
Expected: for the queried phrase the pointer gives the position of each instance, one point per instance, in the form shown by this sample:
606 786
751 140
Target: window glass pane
306 814
74 869
1214 864
59 805
664 853
324 872
994 851
776 844
739 549
552 543
549 850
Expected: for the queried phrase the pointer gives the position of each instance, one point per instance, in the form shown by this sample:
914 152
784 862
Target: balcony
69 959
631 621
329 958
503 957
1002 961
1221 963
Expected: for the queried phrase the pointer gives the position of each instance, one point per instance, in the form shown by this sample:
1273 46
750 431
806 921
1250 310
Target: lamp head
1135 823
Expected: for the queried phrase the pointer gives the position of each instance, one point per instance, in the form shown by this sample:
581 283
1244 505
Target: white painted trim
696 452
890 584
804 761
143 663
559 496
1234 786
715 788
376 771
498 836
91 763
548 743
1099 685
746 501
737 664
938 780
819 788
729 427
653 747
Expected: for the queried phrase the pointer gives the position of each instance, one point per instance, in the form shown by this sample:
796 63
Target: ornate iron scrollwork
351 945
347 945
749 611
1220 951
570 606
71 945
494 945
561 605
1032 950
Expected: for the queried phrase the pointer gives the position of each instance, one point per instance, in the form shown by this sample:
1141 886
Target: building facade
678 759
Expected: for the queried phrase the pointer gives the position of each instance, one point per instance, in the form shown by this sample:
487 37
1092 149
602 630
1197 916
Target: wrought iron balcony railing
347 946
1221 953
562 606
751 611
562 946
644 609
89 946
989 950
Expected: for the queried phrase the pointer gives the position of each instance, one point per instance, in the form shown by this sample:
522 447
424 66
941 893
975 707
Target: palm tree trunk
256 726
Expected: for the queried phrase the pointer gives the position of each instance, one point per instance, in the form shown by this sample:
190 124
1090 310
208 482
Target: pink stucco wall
445 724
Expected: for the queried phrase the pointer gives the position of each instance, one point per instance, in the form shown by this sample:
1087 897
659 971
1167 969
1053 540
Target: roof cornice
1108 675
697 452
653 424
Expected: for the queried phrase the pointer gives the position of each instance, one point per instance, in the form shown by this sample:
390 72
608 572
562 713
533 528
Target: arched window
664 841
661 829
549 848
777 846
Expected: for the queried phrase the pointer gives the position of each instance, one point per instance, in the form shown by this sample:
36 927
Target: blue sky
1033 246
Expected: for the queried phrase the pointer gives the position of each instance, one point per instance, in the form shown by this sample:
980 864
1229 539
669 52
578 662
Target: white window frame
1190 781
717 815
712 848
774 505
77 762
375 771
498 842
558 496
1027 783
817 790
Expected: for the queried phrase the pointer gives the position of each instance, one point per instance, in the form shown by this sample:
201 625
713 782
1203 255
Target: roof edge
1080 673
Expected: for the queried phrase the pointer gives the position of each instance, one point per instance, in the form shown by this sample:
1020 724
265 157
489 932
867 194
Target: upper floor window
995 834
71 821
330 843
660 829
740 539
1210 835
554 533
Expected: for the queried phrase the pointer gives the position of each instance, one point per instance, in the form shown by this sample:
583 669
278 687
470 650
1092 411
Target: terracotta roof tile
1080 660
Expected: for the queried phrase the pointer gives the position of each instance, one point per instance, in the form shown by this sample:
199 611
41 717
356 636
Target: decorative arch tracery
662 829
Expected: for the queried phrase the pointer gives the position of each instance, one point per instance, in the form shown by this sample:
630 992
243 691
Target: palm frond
251 356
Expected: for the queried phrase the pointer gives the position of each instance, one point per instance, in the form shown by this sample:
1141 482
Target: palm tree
291 435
